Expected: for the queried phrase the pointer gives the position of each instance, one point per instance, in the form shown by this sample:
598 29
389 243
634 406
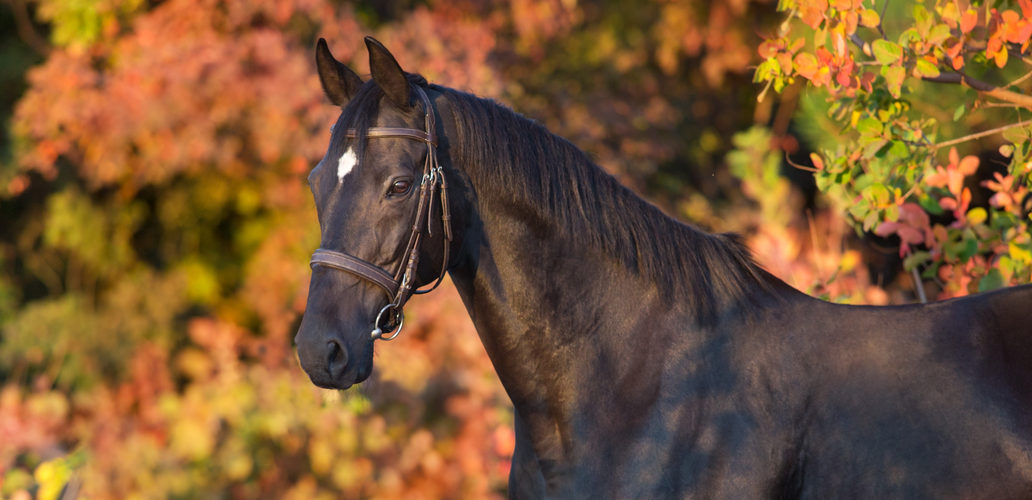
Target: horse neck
568 322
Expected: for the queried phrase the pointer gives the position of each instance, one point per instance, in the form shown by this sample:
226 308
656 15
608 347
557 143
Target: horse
644 358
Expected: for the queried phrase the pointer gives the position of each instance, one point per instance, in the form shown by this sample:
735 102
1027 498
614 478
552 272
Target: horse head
381 197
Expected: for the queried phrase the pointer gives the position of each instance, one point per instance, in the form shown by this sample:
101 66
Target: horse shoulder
1005 318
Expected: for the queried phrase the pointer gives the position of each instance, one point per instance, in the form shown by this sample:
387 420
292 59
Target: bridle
398 286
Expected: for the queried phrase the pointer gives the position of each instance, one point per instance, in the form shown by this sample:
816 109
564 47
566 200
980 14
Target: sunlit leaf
886 52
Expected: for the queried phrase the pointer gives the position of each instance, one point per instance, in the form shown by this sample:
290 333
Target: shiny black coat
645 358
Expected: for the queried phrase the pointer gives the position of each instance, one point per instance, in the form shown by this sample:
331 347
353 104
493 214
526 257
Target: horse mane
517 159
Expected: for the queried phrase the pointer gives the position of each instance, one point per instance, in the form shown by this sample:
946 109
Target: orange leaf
954 50
1000 58
817 161
968 165
812 17
968 20
805 65
768 49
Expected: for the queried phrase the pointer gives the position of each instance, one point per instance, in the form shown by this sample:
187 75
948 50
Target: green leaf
930 205
926 68
886 52
869 126
922 18
871 220
916 259
991 281
959 112
894 76
1019 253
767 70
899 150
877 193
970 247
872 147
1015 135
938 34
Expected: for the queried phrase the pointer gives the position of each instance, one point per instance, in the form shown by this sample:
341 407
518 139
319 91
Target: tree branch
978 135
26 31
985 88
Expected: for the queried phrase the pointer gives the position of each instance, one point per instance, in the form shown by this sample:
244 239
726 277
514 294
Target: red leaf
886 228
866 81
910 235
844 78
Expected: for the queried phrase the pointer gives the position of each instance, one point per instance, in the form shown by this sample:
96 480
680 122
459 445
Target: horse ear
387 73
338 81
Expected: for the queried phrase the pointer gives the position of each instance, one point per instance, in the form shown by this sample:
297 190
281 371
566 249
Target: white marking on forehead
347 161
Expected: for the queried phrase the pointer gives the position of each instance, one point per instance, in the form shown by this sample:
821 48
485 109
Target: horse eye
400 187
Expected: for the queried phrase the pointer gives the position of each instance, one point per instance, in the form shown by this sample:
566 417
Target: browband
408 133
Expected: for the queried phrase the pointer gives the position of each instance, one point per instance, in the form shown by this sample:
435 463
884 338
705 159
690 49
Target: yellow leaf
869 18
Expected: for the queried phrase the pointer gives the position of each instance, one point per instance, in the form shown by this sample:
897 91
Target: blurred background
155 227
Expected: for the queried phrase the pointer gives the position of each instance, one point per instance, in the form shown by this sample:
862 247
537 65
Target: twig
796 165
996 105
861 44
918 285
881 17
978 135
1017 82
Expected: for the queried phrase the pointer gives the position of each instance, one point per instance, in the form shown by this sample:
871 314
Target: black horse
645 358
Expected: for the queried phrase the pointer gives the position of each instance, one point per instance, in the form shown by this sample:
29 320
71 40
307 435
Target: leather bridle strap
405 133
399 285
356 266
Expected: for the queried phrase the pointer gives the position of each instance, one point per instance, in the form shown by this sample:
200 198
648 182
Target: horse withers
644 358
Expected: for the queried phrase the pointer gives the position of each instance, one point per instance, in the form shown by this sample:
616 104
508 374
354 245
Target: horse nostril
337 359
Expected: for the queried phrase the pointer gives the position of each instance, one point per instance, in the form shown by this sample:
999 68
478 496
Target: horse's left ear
387 73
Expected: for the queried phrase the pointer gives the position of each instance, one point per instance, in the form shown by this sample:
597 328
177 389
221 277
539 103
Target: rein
398 285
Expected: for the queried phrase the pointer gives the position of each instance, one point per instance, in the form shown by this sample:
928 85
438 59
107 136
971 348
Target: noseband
398 286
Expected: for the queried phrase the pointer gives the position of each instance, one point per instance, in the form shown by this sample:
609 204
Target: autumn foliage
155 225
894 173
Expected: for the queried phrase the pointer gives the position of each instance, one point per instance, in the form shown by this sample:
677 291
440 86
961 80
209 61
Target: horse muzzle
330 357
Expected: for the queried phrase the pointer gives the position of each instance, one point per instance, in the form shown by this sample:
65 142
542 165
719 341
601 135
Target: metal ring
399 315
